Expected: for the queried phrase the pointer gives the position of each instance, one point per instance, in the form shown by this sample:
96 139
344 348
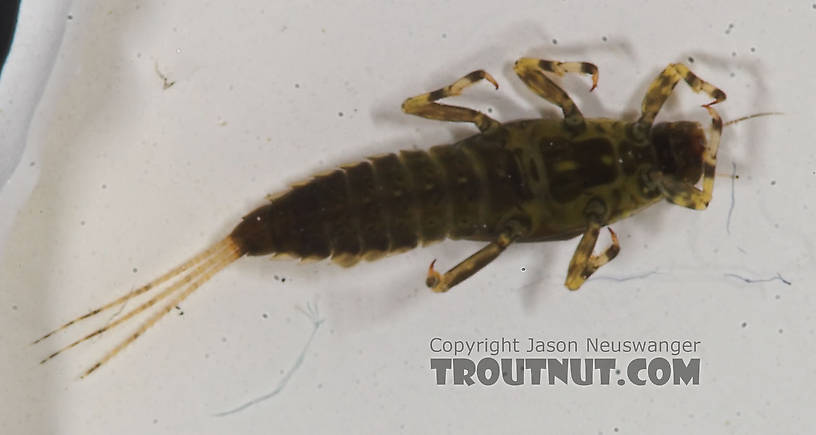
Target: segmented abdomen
389 204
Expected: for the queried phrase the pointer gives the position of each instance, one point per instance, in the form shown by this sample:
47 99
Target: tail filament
183 280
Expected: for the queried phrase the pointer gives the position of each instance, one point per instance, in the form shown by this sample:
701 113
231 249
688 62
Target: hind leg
531 71
425 106
443 282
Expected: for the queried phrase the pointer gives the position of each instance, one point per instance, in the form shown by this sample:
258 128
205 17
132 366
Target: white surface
134 178
36 42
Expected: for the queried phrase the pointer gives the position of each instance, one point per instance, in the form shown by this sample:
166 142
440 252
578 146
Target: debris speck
166 83
691 59
728 30
777 277
340 114
313 315
733 198
604 39
524 269
135 270
444 35
773 182
744 324
625 278
555 41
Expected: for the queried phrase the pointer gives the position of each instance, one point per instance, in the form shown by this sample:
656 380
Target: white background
132 178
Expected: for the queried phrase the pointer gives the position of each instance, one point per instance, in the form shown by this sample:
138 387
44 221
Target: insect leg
424 105
583 263
531 71
664 84
441 283
675 191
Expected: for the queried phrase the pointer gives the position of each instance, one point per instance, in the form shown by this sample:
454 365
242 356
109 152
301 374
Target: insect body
524 181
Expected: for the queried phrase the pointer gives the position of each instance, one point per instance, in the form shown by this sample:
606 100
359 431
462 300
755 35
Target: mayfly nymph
523 181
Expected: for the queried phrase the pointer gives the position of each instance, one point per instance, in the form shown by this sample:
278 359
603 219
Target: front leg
677 192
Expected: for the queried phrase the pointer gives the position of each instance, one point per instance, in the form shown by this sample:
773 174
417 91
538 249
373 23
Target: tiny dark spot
616 429
319 386
753 49
277 278
524 269
340 114
265 316
70 17
155 420
14 307
31 164
104 186
617 371
135 270
733 54
223 339
691 59
733 75
744 324
778 297
283 279
444 35
82 223
489 110
780 330
555 41
297 86
603 38
773 182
